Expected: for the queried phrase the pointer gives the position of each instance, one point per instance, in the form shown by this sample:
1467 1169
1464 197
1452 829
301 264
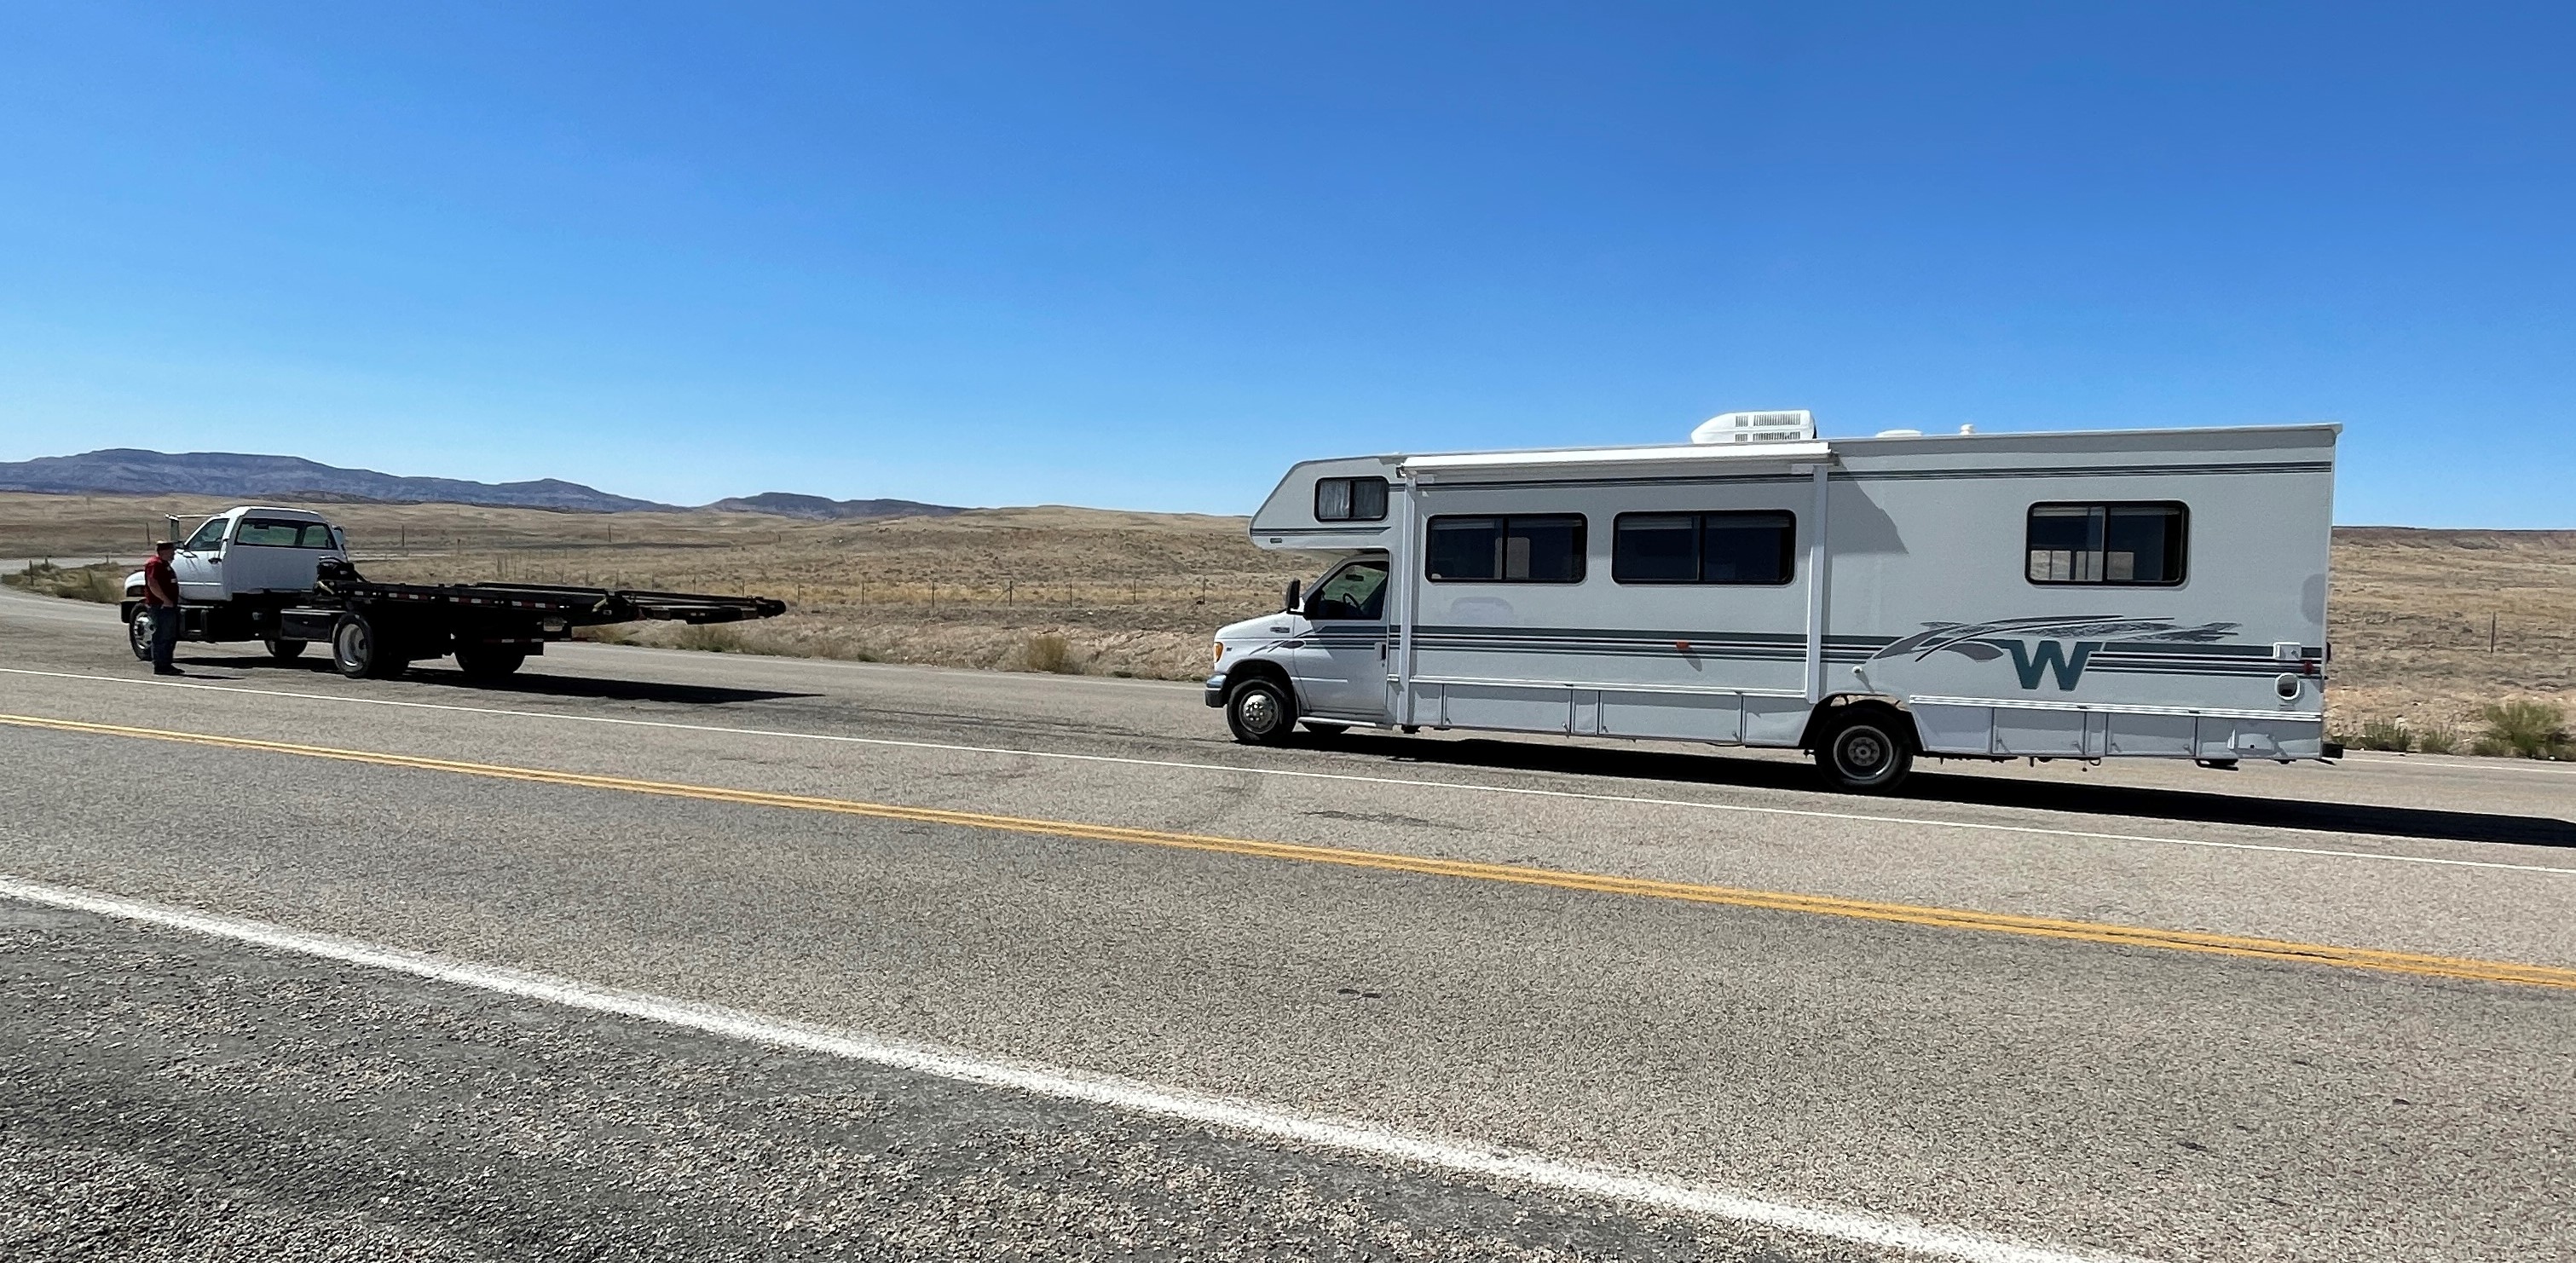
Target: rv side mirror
1289 605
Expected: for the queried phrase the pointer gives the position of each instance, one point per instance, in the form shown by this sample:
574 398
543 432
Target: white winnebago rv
2157 593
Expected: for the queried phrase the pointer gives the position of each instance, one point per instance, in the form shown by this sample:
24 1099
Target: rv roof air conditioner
1795 426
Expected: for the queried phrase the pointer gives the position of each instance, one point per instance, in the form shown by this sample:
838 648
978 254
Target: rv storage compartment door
1507 707
1673 716
2048 734
2168 736
1947 729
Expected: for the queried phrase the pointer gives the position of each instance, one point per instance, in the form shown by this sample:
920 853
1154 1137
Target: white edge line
1134 1096
1632 800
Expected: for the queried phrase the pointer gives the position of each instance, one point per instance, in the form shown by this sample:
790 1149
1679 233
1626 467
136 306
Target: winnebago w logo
2051 656
2046 649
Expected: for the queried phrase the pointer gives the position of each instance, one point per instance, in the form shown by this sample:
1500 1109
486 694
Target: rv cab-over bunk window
1350 499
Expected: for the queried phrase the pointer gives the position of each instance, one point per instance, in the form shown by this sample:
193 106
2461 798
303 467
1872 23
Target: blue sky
1147 255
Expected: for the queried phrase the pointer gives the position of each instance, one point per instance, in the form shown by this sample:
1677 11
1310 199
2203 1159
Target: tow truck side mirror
1289 605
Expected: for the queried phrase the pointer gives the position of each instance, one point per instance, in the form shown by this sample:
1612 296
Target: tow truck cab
249 553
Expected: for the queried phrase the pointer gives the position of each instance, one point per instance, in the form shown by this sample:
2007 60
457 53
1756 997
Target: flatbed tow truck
283 577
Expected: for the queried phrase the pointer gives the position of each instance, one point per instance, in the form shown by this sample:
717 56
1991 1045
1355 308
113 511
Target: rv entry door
1342 667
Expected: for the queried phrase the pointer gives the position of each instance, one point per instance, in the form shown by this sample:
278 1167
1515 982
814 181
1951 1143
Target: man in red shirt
161 605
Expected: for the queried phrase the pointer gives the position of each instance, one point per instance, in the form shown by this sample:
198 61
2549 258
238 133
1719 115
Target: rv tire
1866 753
1261 712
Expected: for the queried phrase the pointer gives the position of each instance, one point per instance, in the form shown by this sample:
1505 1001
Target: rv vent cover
1791 426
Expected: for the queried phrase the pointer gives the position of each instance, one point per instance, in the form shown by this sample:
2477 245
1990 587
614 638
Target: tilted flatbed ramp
578 606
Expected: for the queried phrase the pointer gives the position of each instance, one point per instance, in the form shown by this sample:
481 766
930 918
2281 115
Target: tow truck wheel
286 650
1867 753
1260 713
489 664
138 633
358 654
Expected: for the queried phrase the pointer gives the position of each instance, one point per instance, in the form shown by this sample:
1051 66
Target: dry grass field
1136 593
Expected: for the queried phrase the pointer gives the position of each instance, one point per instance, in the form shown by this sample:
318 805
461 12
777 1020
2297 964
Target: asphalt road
1019 966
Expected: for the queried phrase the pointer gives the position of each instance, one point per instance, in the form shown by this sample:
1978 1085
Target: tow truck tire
286 650
489 664
1866 753
138 633
1261 713
357 653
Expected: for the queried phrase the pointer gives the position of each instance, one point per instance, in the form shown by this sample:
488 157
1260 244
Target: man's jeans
165 634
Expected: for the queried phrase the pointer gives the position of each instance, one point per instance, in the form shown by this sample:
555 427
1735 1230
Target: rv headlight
1220 655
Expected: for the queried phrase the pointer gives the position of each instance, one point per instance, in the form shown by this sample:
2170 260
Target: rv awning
1590 457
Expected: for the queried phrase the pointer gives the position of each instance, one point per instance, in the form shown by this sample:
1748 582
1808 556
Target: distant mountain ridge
789 504
135 471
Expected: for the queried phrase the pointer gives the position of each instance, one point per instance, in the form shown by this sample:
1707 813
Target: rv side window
1350 499
2134 544
1506 549
1742 548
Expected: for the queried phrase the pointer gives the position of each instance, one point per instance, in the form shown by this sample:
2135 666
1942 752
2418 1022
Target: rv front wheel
1260 713
1866 754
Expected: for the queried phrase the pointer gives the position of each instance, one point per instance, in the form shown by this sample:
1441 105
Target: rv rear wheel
286 650
138 633
1867 753
1261 713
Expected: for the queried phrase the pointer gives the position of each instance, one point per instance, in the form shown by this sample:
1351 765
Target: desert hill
239 476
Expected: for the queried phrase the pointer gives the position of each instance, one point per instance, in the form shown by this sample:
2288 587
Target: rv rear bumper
1215 690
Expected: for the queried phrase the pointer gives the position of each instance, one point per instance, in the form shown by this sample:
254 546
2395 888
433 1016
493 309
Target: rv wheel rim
1864 751
1260 711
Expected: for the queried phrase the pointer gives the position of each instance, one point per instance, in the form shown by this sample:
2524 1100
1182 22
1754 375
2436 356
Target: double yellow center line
1472 870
